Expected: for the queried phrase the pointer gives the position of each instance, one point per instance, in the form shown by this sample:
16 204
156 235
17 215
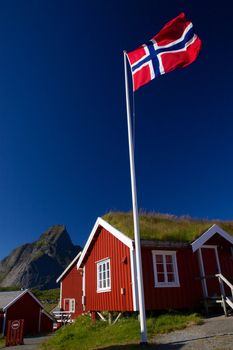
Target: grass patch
155 226
85 335
2 342
49 298
170 322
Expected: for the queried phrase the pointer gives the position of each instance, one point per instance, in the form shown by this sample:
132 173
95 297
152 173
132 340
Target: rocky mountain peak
38 264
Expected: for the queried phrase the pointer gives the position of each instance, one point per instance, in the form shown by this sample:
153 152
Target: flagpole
141 299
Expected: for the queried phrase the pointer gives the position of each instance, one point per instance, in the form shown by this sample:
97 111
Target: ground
215 334
29 344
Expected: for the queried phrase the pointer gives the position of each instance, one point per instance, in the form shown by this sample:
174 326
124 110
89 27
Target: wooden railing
63 317
225 299
222 279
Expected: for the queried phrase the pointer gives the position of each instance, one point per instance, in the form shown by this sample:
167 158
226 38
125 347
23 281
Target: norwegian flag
175 46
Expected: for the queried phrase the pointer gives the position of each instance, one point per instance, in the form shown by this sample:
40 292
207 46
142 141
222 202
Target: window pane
159 259
171 277
169 259
170 268
160 268
161 277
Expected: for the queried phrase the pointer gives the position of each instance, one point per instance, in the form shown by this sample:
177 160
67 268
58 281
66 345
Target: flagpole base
144 344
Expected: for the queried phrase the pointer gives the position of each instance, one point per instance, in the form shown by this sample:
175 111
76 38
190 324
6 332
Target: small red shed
24 305
71 289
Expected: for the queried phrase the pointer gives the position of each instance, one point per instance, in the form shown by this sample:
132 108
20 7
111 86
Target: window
69 305
103 276
165 268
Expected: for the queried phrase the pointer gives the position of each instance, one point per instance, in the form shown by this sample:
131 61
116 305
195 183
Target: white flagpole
141 300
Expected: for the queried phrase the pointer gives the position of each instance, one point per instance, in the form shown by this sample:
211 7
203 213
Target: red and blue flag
175 46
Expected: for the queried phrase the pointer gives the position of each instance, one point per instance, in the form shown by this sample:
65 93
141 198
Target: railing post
223 295
224 306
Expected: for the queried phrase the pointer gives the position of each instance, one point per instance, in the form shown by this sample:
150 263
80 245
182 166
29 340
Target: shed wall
1 321
28 309
46 324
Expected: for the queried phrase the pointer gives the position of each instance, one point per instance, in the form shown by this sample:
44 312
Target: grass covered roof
164 227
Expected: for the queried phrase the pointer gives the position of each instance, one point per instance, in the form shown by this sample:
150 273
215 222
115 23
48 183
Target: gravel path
29 344
216 333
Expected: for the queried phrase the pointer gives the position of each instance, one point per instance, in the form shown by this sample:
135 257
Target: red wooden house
16 305
71 289
176 275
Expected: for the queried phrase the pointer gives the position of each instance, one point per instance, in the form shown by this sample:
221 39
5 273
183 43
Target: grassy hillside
85 335
49 298
154 226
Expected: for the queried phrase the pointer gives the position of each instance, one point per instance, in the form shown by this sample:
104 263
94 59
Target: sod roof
164 227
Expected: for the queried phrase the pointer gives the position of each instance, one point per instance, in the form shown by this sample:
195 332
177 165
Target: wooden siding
210 266
28 309
72 289
46 324
105 245
225 259
1 321
189 293
226 262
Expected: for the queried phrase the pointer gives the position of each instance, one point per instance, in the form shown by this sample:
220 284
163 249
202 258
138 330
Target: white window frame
71 304
99 269
166 283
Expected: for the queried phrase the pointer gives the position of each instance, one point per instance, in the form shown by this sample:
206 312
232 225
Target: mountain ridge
38 264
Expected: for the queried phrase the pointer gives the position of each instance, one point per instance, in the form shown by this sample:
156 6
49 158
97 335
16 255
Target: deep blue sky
63 131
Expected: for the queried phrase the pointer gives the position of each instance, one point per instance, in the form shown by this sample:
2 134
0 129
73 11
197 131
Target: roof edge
19 296
208 234
69 266
116 233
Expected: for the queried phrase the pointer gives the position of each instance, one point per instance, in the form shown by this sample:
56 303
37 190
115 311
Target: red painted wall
211 268
226 262
72 288
1 321
28 309
107 246
225 258
46 324
189 293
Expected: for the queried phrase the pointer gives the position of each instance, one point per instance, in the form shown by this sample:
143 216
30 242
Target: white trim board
119 235
200 241
134 279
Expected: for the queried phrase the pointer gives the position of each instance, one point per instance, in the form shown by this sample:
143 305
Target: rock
39 264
